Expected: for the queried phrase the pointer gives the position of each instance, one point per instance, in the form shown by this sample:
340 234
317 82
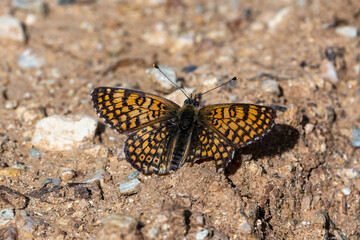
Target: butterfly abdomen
186 119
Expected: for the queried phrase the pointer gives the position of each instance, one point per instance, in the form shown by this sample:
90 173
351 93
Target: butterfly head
193 100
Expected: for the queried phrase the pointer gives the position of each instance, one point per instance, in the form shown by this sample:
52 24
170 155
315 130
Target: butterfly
162 136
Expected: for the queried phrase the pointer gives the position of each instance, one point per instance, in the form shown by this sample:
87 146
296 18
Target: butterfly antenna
223 84
158 68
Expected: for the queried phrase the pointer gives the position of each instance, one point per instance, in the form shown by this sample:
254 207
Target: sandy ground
301 181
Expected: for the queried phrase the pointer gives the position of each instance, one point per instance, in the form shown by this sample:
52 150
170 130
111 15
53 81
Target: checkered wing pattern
129 110
209 144
148 149
238 124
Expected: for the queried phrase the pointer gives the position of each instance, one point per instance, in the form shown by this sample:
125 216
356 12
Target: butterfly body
163 135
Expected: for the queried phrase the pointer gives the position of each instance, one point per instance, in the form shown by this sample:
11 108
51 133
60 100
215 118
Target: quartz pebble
35 6
11 28
28 59
355 136
347 31
30 113
58 133
271 86
281 17
202 234
129 187
329 71
100 175
68 175
6 215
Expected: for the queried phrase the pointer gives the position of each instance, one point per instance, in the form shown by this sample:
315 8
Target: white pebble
11 28
202 234
30 60
328 71
280 18
271 86
58 133
348 31
346 191
6 215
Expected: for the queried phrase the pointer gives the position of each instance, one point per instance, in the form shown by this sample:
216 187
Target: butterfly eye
187 101
196 103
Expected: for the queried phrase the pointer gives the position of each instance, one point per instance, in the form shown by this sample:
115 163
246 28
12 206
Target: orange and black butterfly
163 136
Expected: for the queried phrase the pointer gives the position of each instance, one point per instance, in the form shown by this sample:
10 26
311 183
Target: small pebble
329 71
30 19
66 2
190 68
35 153
30 113
11 104
153 232
346 191
129 187
211 82
46 182
68 175
348 31
271 86
200 220
11 28
357 69
56 181
6 215
133 175
161 79
281 17
245 227
309 128
30 60
59 133
100 175
355 136
202 234
35 6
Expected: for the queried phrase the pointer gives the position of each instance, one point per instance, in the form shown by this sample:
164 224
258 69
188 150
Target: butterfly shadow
282 138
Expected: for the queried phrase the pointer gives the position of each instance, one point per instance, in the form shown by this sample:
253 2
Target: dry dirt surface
63 171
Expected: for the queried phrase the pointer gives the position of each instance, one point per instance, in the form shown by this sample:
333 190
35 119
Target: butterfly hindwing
238 124
208 144
148 149
129 110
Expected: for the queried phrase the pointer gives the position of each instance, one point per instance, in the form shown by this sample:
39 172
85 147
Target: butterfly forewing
238 124
128 110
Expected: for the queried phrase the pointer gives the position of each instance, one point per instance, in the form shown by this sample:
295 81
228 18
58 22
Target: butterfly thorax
187 116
